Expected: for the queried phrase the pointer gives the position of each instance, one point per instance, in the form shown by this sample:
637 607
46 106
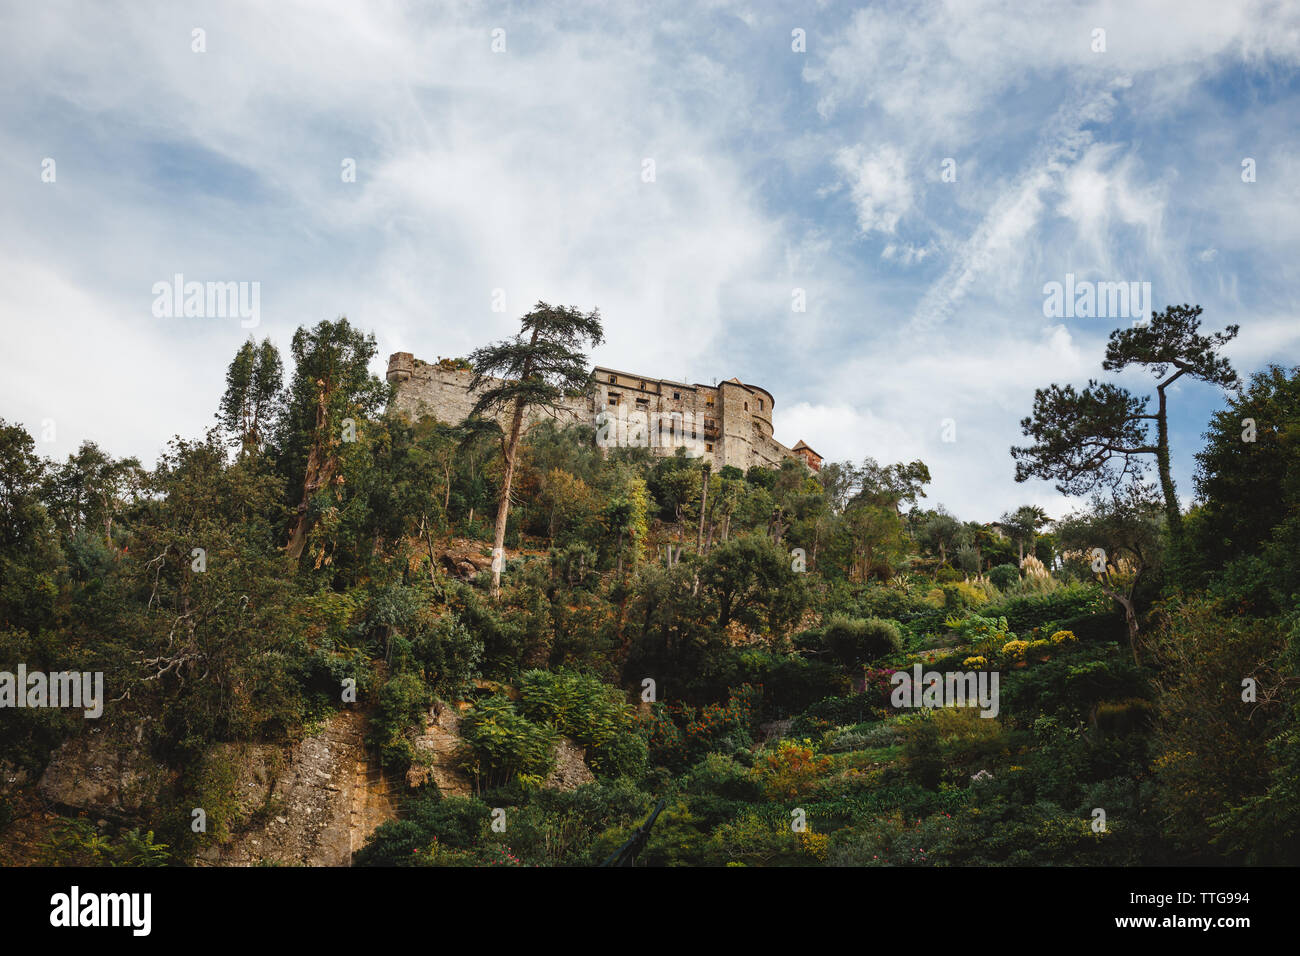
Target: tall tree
891 485
531 372
1251 456
331 394
939 532
29 547
253 383
91 489
1099 436
839 479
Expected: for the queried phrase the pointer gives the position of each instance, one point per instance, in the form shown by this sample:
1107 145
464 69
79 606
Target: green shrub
502 744
837 712
401 707
593 714
867 737
451 655
790 682
922 752
862 642
456 823
1025 612
1004 575
723 776
77 842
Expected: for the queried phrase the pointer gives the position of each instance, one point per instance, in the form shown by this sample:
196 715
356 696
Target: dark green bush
593 714
501 743
857 643
1004 575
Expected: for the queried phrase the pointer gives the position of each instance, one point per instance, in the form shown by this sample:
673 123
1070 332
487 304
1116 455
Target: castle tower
401 366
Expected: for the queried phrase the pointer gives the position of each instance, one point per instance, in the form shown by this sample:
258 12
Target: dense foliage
721 639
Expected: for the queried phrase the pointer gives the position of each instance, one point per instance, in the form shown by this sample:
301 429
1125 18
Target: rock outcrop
464 563
105 771
435 754
437 751
570 771
316 802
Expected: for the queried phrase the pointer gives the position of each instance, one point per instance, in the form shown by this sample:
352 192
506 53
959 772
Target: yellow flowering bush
975 663
1061 637
816 845
1015 648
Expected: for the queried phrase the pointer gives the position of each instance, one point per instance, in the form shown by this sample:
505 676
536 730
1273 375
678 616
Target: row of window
677 396
613 380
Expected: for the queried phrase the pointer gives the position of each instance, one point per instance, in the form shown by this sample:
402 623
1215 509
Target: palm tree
1022 525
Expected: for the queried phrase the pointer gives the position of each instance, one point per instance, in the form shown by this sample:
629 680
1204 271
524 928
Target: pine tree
1097 436
529 373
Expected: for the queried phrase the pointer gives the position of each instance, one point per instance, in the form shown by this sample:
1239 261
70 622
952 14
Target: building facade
729 423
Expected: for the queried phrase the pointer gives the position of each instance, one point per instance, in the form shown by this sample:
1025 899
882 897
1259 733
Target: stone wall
729 424
443 393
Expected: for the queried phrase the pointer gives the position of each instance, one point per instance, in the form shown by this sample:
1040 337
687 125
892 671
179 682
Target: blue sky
775 170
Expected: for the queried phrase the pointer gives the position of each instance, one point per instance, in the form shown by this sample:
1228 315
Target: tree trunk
704 500
319 471
1173 512
503 506
1130 619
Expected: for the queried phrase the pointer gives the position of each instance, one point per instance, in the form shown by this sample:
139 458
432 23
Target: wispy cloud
916 175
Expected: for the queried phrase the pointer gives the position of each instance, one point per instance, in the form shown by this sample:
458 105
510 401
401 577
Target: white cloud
522 171
878 186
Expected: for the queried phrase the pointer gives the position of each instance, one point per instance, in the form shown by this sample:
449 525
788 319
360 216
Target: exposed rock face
320 799
435 755
106 771
464 563
570 771
313 803
436 750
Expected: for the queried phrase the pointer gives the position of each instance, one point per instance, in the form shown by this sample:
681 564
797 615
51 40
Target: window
643 401
709 403
677 395
614 398
747 406
708 446
760 404
613 401
613 379
643 384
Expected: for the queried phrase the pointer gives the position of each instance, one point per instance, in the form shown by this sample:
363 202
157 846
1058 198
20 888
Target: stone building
729 424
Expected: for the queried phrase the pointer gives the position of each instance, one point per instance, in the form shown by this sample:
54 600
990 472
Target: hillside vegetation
723 641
